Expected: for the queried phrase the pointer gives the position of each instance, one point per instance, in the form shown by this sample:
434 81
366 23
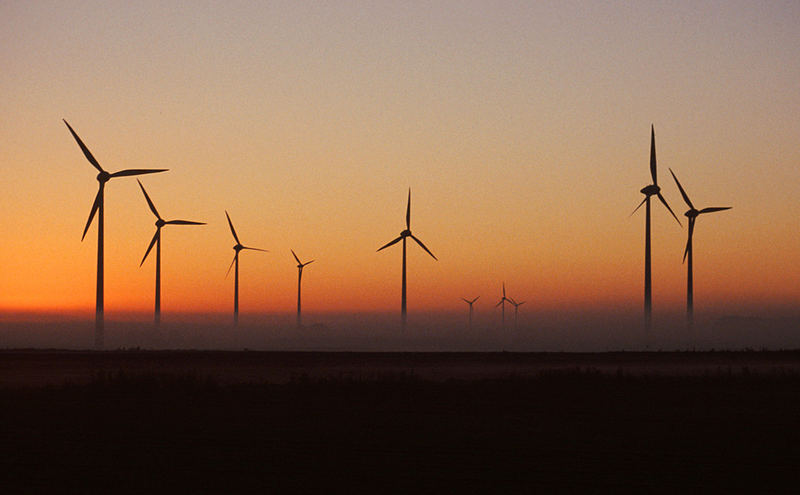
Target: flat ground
223 422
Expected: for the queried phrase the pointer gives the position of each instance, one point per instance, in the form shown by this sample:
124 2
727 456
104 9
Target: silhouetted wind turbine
160 222
97 207
516 309
692 214
502 304
238 247
651 190
300 266
403 235
470 308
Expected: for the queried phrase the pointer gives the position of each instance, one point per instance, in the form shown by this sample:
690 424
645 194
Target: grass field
223 422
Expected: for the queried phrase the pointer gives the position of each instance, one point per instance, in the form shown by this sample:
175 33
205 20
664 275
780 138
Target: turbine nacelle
238 247
160 223
103 177
405 233
692 213
650 190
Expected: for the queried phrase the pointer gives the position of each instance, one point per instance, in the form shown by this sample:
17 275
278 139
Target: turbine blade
653 155
408 210
689 238
149 202
233 231
95 206
637 208
683 193
504 290
235 256
183 222
465 300
670 209
501 302
138 171
150 247
475 299
255 249
308 263
686 250
295 257
83 147
389 244
423 247
715 208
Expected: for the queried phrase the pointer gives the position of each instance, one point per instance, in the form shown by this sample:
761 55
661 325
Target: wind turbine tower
238 247
470 308
403 236
502 305
98 208
648 191
692 213
160 222
300 266
516 310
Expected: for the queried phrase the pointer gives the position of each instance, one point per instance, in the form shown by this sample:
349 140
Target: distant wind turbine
648 191
516 309
470 308
502 304
97 207
403 235
238 247
692 214
300 266
160 222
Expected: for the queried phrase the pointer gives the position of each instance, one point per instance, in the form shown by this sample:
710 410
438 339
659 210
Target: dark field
223 422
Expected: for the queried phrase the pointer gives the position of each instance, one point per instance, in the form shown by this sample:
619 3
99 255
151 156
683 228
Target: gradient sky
522 127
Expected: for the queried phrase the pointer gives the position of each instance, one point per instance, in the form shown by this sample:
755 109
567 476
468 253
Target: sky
522 129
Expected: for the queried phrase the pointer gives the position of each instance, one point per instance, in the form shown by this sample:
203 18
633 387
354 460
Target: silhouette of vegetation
572 427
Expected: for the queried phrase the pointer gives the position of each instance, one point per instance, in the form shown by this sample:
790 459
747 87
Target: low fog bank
542 332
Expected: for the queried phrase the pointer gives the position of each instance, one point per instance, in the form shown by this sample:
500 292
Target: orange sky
523 131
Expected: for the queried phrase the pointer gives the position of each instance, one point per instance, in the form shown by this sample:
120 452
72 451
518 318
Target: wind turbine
470 308
692 214
300 266
403 235
238 247
648 191
160 222
98 207
502 304
516 309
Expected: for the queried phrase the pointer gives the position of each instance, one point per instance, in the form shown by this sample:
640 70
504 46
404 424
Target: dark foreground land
228 422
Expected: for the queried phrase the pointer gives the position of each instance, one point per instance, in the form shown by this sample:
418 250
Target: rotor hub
651 190
238 247
103 177
405 233
160 223
692 213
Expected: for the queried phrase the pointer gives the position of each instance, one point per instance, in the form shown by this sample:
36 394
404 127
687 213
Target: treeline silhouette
562 430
